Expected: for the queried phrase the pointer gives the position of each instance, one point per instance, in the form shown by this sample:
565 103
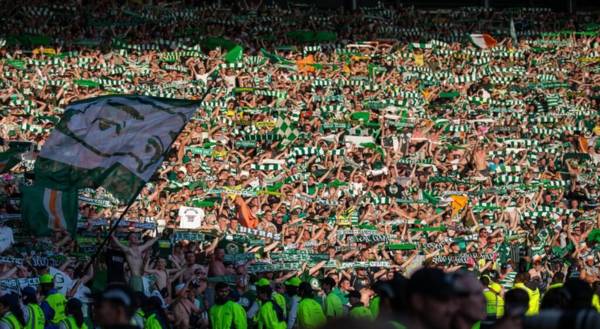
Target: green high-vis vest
57 302
494 300
361 312
11 321
280 300
37 319
374 306
267 317
310 315
70 323
152 323
333 306
228 316
534 298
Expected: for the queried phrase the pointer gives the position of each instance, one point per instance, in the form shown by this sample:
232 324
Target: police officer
226 314
74 315
493 298
522 281
155 315
35 318
270 315
358 309
11 314
139 317
293 299
333 304
54 303
310 313
280 300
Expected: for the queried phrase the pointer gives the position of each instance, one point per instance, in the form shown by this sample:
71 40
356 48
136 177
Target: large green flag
274 58
116 142
234 55
45 210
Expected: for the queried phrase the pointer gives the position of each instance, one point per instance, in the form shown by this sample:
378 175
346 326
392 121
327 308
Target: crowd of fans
370 168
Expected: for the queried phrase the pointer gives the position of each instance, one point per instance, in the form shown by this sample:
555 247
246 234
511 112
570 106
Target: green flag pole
112 230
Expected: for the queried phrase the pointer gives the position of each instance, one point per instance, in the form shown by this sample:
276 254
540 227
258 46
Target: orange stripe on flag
489 40
53 211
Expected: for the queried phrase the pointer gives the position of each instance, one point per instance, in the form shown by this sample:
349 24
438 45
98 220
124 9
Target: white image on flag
132 131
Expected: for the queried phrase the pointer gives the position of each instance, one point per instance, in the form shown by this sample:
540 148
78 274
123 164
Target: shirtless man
161 273
479 157
134 254
216 265
190 267
183 307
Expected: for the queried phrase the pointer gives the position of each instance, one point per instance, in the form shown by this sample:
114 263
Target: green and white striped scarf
504 169
507 179
265 167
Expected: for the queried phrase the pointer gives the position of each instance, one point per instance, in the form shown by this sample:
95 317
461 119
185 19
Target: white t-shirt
6 238
203 77
230 80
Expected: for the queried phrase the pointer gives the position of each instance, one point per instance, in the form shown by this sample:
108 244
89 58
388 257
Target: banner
266 267
190 217
462 258
295 255
189 236
103 222
244 257
259 233
16 285
11 260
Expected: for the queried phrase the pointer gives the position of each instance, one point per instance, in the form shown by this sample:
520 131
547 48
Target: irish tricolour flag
483 41
45 210
116 142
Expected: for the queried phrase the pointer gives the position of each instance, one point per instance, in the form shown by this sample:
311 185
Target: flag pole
114 227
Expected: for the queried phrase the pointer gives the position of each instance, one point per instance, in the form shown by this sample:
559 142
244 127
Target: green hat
263 282
46 278
293 282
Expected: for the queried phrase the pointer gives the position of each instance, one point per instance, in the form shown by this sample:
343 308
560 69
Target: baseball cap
46 278
431 282
293 282
263 282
